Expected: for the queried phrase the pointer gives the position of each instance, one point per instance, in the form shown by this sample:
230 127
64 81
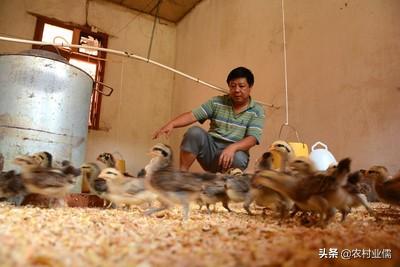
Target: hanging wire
135 17
154 28
285 65
120 101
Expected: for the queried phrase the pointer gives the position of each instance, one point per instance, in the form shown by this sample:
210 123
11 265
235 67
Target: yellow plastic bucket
120 165
85 185
299 149
276 157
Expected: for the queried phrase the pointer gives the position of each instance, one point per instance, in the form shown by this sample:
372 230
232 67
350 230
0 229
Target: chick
368 187
123 190
109 160
45 181
388 190
212 194
264 162
98 186
313 193
265 196
141 173
353 196
240 189
44 159
173 186
356 190
283 152
302 167
339 193
331 168
12 188
1 162
237 188
11 185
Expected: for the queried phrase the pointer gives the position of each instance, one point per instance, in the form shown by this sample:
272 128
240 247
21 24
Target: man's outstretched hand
165 130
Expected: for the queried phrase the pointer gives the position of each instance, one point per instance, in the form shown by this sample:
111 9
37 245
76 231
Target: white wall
343 64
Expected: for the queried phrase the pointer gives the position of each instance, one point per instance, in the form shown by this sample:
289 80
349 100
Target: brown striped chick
45 181
368 189
67 168
213 194
265 196
1 162
264 162
124 190
339 192
331 168
353 195
172 186
109 160
387 189
356 190
44 159
237 187
310 193
302 167
98 186
11 185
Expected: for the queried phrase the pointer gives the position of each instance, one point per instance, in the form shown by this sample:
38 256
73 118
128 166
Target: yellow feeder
276 157
299 148
295 149
120 165
85 185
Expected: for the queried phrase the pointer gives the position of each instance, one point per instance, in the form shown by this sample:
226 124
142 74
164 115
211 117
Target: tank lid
43 53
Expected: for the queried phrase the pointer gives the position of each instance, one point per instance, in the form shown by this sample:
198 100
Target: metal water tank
44 106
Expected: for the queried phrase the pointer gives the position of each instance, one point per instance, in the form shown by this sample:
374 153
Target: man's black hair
241 72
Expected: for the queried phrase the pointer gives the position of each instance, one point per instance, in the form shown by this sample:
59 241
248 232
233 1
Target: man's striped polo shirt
227 125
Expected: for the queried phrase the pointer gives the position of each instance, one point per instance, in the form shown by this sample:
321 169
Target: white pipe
130 55
285 65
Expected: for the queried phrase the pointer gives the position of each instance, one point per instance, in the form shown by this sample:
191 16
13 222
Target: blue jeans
207 150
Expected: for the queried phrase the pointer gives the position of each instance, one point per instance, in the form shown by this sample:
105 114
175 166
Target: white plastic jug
321 157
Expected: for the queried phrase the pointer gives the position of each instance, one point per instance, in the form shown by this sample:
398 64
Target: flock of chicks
295 187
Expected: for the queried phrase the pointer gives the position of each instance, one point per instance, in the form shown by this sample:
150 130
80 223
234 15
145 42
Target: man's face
239 90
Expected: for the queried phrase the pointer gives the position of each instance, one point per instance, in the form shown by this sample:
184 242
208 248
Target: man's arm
227 155
182 120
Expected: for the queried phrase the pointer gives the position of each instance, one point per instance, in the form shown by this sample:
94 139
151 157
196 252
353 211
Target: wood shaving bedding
32 236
